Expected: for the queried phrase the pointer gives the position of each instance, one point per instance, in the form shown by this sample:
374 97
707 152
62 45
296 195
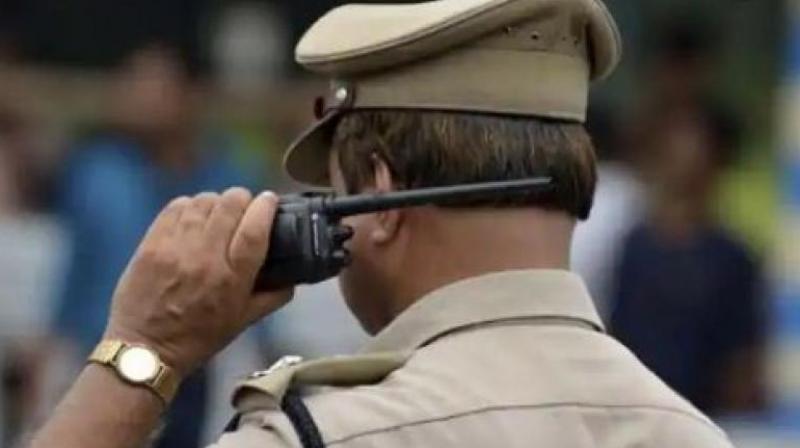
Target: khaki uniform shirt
513 359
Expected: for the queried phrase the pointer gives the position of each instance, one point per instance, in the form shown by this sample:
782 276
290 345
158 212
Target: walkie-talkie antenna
307 244
371 203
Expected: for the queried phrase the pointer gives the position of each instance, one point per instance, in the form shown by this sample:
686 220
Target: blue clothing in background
110 193
685 307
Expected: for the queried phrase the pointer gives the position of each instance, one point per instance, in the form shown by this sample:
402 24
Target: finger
250 242
205 202
264 304
166 221
225 217
196 214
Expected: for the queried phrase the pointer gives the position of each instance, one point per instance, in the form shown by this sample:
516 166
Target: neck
679 217
173 149
452 245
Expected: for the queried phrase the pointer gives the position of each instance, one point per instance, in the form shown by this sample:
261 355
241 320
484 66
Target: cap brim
306 160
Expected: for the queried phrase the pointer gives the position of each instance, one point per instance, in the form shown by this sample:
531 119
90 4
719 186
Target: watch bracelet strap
165 384
106 351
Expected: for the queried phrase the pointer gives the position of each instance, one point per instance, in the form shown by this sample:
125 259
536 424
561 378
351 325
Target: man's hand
187 291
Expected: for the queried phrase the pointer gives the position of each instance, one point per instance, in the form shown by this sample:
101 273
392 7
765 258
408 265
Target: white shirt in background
618 207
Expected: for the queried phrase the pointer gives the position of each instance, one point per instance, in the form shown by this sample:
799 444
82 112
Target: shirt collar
496 297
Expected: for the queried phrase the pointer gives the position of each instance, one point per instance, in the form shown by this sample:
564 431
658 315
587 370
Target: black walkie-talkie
307 242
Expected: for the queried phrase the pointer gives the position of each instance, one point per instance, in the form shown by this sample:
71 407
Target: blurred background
109 109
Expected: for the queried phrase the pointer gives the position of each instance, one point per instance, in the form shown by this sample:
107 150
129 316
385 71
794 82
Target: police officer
482 336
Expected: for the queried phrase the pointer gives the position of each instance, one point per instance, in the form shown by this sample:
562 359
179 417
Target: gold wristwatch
138 365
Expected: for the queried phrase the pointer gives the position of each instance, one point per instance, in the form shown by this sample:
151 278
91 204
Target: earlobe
387 225
379 236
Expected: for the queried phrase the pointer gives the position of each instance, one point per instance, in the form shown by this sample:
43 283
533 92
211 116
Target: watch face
138 364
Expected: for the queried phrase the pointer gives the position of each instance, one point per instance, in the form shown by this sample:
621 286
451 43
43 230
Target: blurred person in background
617 208
686 293
21 179
115 182
30 249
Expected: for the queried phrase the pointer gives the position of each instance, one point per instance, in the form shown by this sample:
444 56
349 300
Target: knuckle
148 254
175 311
205 195
195 271
202 204
178 203
205 198
238 194
159 259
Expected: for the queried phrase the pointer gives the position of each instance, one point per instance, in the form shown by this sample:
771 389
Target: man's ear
388 222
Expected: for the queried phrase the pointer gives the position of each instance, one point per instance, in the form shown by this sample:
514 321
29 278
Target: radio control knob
341 234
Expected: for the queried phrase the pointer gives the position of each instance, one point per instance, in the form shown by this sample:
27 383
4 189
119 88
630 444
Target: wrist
138 365
168 357
109 380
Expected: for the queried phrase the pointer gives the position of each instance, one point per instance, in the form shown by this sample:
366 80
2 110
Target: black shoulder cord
297 412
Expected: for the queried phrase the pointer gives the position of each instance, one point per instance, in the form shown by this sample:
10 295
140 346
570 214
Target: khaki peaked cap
511 57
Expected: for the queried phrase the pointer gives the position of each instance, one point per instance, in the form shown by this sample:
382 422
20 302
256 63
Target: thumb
250 243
